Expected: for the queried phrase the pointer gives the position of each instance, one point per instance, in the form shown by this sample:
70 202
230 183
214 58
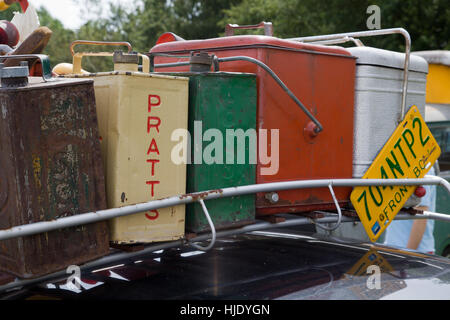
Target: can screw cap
272 197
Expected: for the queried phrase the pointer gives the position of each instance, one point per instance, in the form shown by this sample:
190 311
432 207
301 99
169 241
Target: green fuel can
223 145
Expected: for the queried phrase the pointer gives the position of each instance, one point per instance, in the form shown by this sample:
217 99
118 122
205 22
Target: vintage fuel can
322 78
51 168
222 127
138 112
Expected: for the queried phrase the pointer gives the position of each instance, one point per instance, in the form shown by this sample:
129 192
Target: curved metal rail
211 225
338 222
91 217
351 36
318 127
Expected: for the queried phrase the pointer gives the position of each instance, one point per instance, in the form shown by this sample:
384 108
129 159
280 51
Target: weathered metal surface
50 168
120 57
6 278
311 215
221 101
322 78
201 62
273 219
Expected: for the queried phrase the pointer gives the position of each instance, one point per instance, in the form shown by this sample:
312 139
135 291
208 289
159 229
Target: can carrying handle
99 43
267 26
45 62
78 56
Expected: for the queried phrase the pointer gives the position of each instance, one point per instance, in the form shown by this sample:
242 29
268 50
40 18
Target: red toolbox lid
239 42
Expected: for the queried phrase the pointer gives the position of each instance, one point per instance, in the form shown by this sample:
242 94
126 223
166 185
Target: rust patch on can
200 195
312 215
412 211
51 168
273 219
6 278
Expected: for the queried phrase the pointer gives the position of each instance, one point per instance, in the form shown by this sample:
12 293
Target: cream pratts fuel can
137 114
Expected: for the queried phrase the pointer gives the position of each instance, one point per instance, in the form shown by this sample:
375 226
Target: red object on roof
420 192
168 43
9 34
23 5
323 79
168 37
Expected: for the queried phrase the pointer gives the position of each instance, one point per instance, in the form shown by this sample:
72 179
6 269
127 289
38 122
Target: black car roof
280 264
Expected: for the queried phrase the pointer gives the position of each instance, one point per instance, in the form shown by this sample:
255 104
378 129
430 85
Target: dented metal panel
50 166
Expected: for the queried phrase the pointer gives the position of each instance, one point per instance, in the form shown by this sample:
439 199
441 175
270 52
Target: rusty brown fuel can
50 167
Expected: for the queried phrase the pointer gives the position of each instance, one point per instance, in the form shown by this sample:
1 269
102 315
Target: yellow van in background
437 117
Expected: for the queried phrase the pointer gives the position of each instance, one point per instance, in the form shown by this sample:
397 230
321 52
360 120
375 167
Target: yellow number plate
409 153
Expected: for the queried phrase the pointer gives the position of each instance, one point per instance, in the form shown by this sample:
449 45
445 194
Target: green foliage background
428 22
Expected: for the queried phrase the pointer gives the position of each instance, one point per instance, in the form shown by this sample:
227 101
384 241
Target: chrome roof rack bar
91 217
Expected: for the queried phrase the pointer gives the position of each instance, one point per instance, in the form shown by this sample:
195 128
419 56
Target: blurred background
140 22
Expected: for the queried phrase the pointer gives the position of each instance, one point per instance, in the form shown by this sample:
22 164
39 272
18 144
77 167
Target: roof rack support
211 225
338 222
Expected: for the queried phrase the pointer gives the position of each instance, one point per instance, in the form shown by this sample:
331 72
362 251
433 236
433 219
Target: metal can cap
14 76
14 72
121 57
201 62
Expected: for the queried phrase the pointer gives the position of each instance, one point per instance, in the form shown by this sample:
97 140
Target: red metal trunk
323 79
